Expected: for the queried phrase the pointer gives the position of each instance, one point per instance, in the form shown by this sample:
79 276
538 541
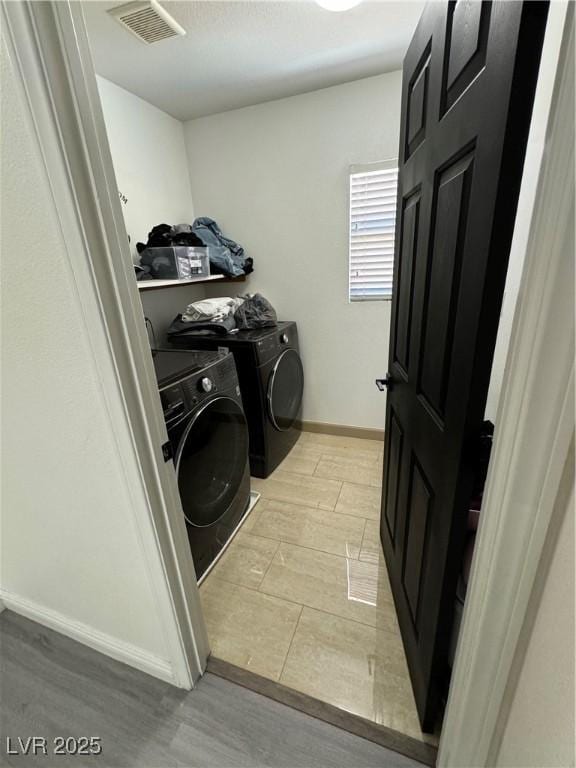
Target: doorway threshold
328 713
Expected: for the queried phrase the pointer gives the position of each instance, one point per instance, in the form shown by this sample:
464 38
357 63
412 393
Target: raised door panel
418 519
405 281
445 260
393 473
468 24
417 100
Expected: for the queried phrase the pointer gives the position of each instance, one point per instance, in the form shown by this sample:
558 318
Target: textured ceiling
240 53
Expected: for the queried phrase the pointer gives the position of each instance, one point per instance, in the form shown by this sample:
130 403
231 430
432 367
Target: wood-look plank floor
52 686
302 596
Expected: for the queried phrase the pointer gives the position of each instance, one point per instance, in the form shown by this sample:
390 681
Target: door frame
49 48
53 57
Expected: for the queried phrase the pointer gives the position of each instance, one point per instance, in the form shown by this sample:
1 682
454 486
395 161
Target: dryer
208 435
271 379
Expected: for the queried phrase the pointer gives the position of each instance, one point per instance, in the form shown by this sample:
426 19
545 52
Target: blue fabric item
225 254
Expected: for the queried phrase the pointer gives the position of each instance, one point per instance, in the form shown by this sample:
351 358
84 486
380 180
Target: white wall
72 551
150 163
540 730
534 154
275 177
151 167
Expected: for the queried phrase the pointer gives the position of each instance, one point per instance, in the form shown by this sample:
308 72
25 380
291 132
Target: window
372 226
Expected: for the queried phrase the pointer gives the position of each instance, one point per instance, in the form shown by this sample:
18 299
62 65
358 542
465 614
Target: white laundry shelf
150 285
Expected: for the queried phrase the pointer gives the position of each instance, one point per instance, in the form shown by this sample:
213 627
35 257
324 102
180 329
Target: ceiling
240 53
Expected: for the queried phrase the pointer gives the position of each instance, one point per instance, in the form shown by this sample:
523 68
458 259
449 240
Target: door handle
385 383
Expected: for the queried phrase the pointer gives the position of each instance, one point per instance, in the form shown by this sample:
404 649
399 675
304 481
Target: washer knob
284 338
206 384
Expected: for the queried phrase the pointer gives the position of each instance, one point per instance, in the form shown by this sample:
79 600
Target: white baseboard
110 646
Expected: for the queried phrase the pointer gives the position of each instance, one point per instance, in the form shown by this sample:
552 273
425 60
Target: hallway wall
73 552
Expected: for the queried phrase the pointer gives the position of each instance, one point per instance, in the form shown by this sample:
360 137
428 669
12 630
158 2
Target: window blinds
372 226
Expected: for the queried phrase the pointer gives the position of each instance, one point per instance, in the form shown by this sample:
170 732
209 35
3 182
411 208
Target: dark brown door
468 84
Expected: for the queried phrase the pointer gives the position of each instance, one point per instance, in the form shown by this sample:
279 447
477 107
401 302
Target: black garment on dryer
180 327
255 312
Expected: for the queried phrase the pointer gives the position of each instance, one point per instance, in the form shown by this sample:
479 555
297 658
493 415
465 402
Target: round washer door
211 461
285 389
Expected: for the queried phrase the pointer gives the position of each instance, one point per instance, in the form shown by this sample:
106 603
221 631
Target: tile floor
302 596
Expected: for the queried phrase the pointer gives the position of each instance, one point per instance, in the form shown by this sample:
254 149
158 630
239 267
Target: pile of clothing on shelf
224 315
226 256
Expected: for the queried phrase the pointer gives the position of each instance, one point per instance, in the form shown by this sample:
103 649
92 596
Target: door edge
508 566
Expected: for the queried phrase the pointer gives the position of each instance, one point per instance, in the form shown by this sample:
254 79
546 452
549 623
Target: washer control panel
188 394
173 403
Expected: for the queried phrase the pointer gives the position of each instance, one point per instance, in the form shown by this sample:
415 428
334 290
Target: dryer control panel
271 346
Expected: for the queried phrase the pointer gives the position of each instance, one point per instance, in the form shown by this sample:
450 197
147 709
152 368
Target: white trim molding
100 641
531 451
49 46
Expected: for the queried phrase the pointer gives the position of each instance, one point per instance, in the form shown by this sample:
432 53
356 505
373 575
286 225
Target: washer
208 436
272 384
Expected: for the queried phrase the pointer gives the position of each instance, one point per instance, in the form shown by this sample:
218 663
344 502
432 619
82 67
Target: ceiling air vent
147 20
